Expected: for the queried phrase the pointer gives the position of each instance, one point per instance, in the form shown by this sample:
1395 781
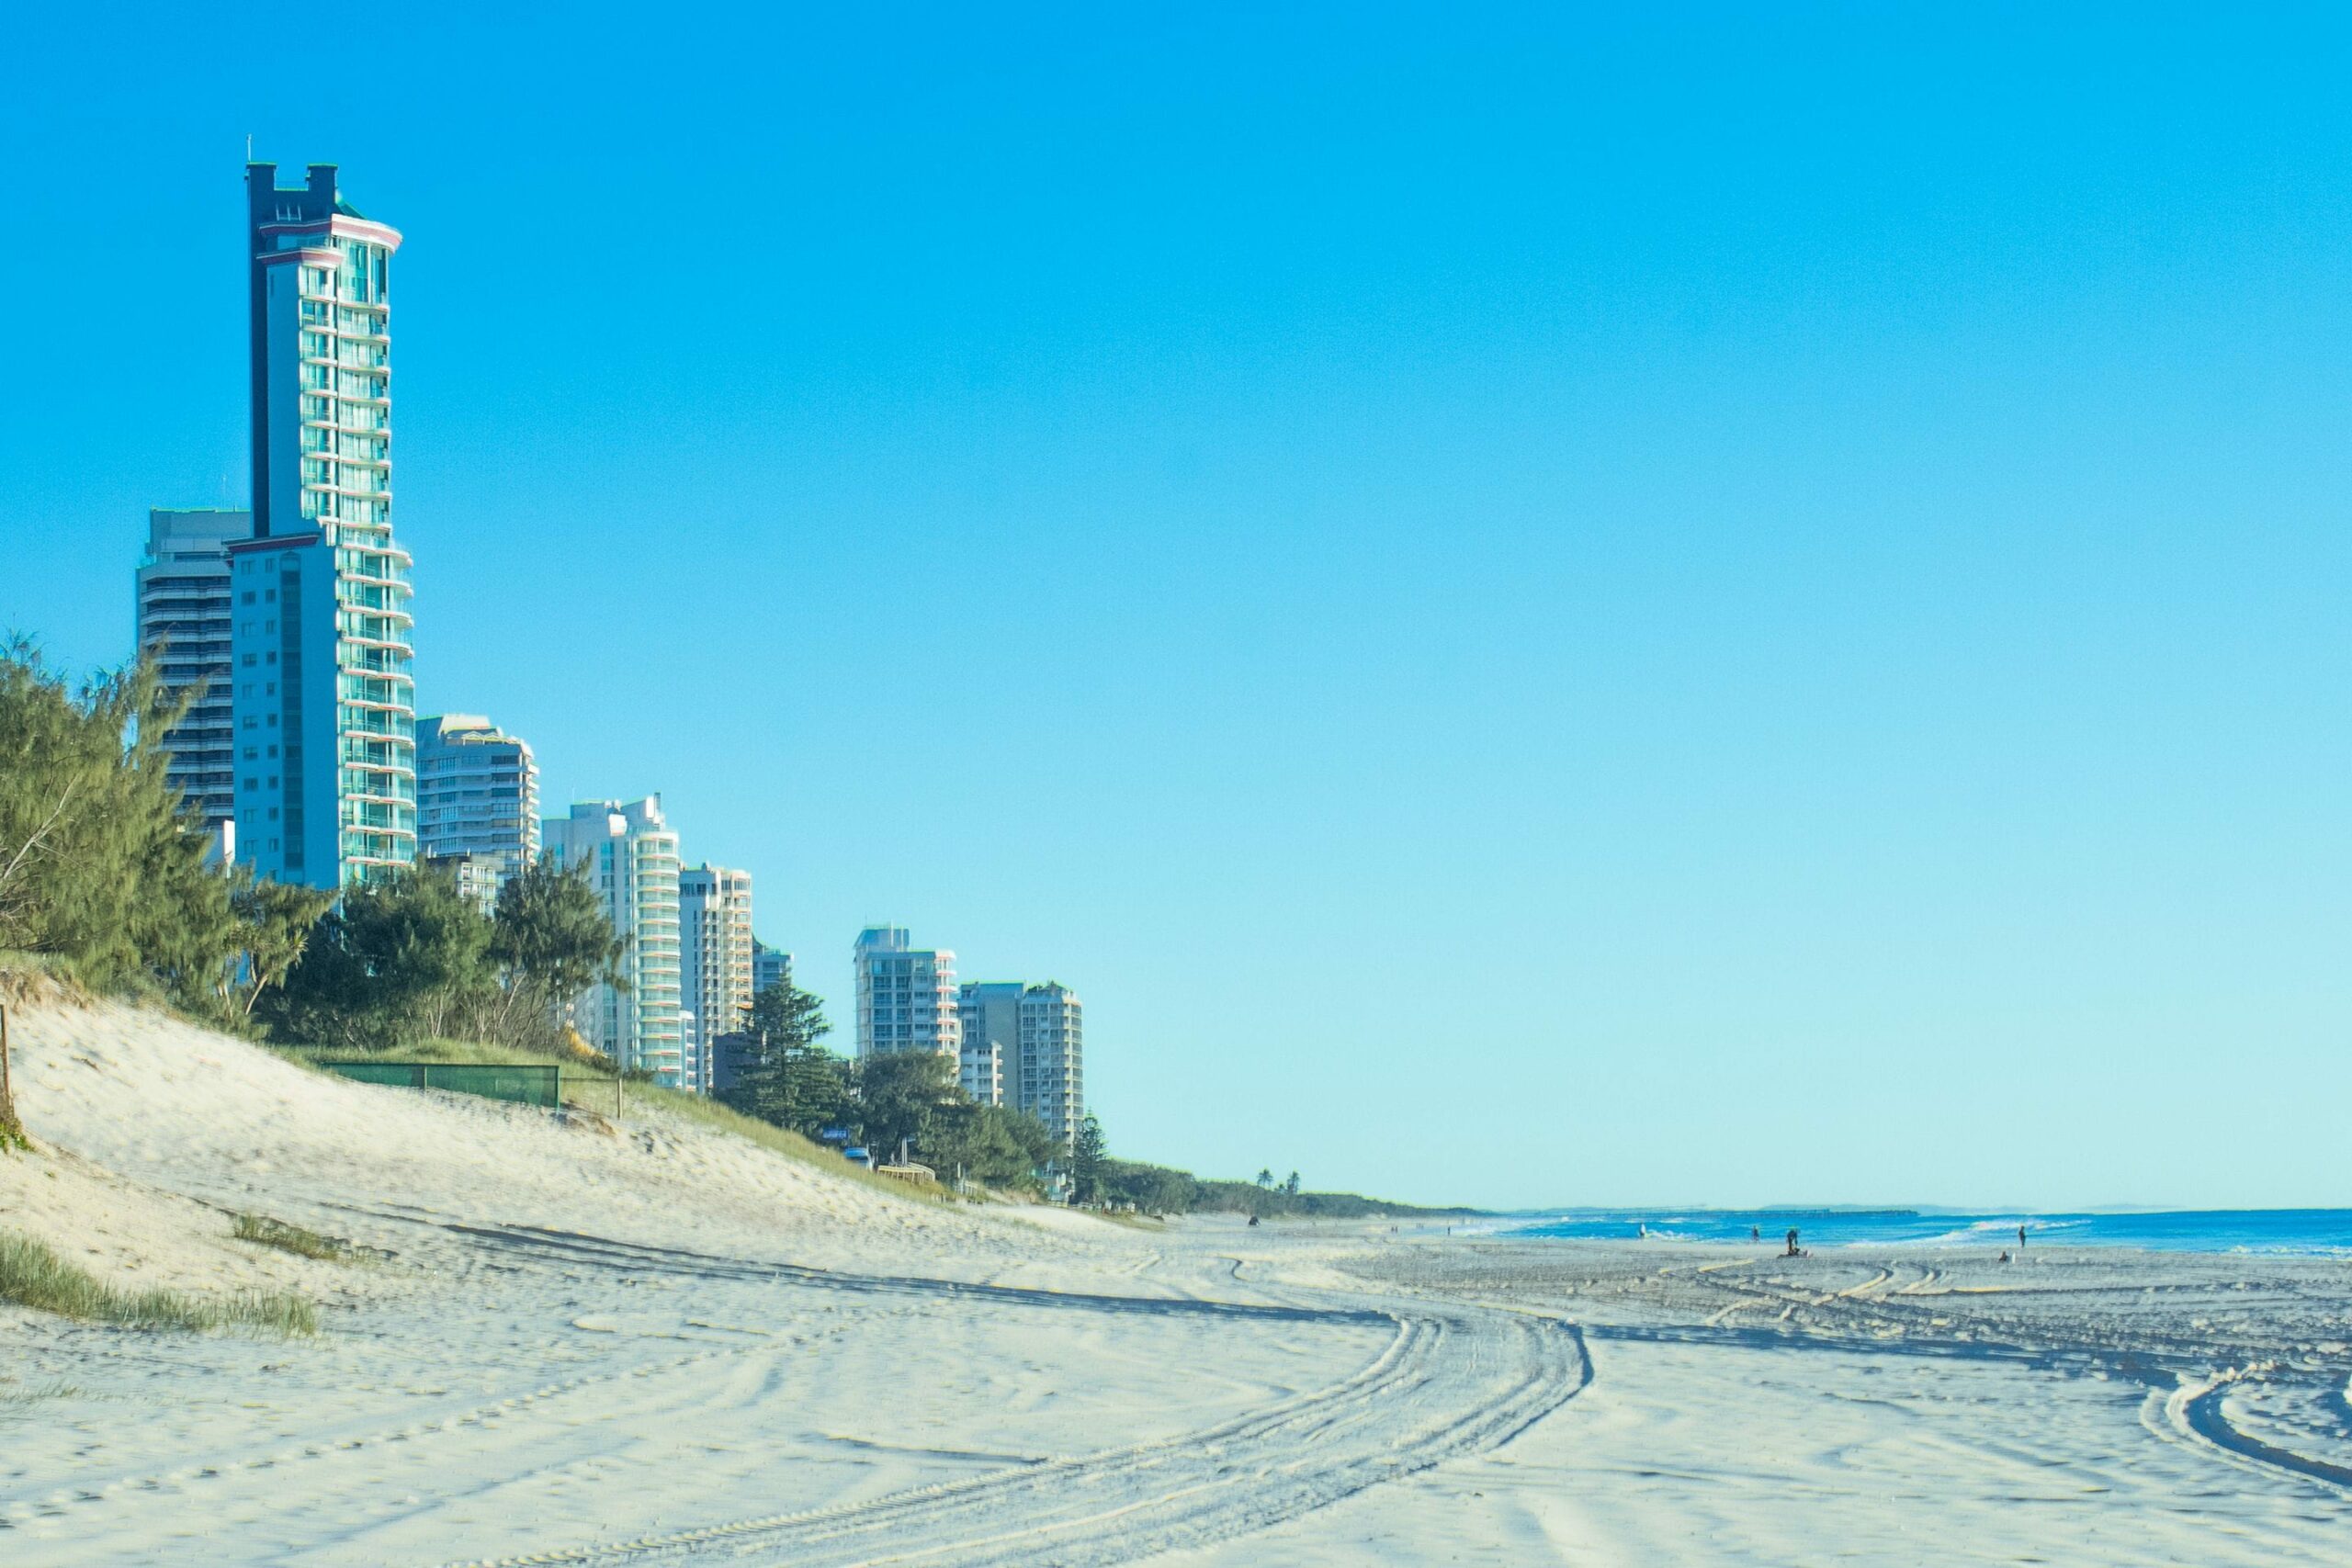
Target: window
249 660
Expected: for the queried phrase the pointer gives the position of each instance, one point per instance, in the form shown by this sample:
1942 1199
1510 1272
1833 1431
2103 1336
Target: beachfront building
906 995
988 1012
476 796
1024 1047
714 958
1048 1075
479 877
322 695
631 857
183 618
770 967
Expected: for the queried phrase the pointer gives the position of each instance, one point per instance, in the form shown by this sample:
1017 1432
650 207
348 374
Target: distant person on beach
1793 1242
1755 1232
2021 1238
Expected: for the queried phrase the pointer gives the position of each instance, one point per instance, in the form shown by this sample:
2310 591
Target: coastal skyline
1827 693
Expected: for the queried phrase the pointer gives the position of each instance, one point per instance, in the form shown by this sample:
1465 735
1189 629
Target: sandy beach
585 1340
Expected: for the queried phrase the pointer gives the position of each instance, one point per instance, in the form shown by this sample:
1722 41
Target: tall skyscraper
476 796
906 996
182 599
1049 1081
769 967
324 698
632 860
989 1014
714 959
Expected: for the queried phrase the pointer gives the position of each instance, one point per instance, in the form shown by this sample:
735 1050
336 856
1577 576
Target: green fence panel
524 1085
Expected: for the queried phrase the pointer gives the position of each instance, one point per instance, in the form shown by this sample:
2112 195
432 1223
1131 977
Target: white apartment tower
476 796
1049 1078
324 700
182 599
906 996
632 860
714 959
1024 1046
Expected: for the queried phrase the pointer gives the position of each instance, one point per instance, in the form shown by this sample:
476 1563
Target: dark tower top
267 206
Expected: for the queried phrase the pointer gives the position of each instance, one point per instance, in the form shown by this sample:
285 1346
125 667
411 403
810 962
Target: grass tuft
33 1276
267 1232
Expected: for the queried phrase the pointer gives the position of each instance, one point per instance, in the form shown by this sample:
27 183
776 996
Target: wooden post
11 1130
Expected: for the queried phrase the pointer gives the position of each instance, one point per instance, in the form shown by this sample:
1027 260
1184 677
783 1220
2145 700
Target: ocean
2311 1231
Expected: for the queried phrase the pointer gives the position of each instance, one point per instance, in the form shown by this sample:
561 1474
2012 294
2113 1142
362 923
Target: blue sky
1534 605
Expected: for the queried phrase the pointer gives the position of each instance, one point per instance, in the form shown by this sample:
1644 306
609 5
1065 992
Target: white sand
656 1343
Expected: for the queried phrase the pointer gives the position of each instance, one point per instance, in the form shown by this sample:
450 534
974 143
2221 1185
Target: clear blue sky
1692 603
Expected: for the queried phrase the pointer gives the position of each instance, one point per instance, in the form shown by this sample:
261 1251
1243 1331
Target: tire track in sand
1454 1380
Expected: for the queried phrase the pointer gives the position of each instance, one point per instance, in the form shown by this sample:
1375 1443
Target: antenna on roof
249 146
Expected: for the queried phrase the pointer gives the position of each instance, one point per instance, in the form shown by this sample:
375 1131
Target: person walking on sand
1793 1241
2021 1238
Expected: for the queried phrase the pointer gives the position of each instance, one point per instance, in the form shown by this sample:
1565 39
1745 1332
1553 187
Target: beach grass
784 1142
31 1275
585 1088
266 1232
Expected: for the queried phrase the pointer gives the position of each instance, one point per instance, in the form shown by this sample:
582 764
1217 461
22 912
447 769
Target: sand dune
649 1342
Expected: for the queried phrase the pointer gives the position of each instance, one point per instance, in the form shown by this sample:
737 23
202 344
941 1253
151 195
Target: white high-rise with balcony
906 995
632 860
1024 1046
1049 1080
715 960
476 796
325 700
184 620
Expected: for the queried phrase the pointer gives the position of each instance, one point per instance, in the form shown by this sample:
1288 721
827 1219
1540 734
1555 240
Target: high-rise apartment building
714 959
476 796
477 877
1024 1046
906 996
989 1014
183 614
632 860
325 700
1048 1080
769 967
